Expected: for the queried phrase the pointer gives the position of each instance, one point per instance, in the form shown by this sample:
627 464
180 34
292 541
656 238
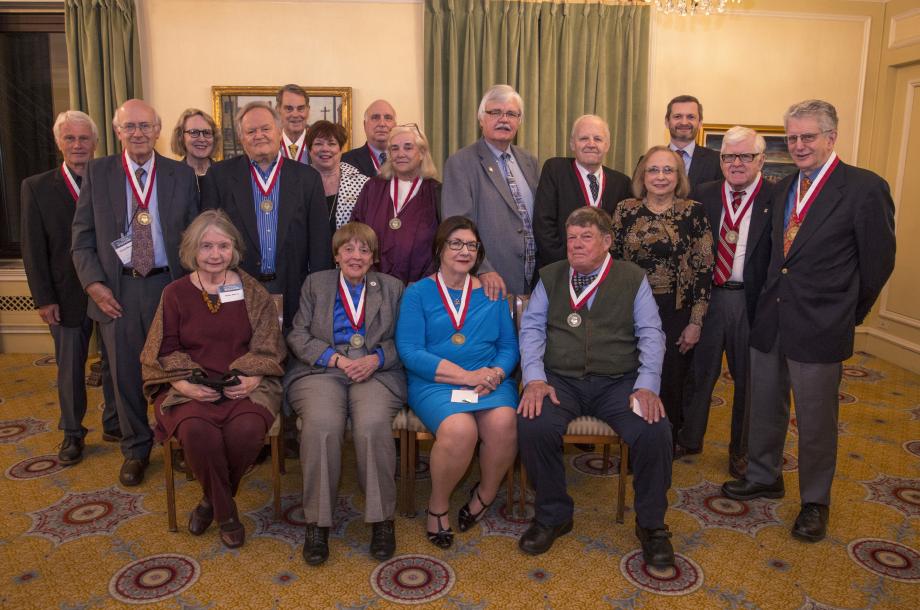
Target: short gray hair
249 108
738 134
586 117
500 94
824 112
73 116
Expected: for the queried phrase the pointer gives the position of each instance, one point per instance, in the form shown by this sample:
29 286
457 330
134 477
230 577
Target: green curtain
104 61
565 60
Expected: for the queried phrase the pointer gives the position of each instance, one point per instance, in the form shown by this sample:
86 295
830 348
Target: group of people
343 286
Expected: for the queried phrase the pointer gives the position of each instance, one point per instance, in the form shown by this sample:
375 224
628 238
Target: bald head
590 141
138 126
379 119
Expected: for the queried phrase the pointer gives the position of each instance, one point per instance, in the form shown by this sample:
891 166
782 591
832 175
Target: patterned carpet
73 538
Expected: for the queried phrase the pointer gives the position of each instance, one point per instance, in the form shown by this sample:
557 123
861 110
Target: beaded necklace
212 307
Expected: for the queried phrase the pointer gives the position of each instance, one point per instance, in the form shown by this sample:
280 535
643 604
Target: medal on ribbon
577 301
142 196
803 203
354 313
395 222
70 181
289 147
732 218
267 186
457 314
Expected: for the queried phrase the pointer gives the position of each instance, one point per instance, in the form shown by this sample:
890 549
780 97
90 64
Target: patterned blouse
350 184
674 248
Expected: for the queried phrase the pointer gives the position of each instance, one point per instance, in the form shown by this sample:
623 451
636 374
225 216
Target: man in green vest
592 344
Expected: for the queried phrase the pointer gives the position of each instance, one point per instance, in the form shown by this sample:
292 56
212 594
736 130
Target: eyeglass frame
496 114
667 170
207 134
145 128
472 246
732 157
805 138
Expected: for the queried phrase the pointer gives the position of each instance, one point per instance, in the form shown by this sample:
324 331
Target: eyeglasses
805 138
129 128
743 157
667 170
457 244
207 134
508 114
412 126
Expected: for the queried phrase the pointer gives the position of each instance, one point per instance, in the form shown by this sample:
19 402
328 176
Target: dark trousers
815 387
676 366
219 456
124 339
540 445
71 344
725 328
109 411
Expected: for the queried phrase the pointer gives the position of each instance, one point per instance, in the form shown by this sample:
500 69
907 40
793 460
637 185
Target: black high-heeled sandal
465 518
443 538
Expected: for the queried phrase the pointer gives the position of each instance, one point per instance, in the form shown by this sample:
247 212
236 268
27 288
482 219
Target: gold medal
573 320
731 237
357 340
267 205
458 339
395 223
143 218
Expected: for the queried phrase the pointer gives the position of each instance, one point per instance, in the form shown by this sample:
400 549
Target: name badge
469 397
122 247
230 292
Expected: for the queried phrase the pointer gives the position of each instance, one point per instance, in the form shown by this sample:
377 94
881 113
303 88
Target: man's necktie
792 228
141 234
686 158
383 158
530 249
292 148
725 257
580 282
595 187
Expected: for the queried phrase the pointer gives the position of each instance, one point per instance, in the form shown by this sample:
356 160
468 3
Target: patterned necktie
580 282
792 228
141 235
292 148
595 187
530 249
686 157
726 252
383 158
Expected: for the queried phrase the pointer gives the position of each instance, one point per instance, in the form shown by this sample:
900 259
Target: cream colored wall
373 47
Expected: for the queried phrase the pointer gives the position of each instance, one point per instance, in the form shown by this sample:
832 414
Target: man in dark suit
132 210
833 249
568 183
492 182
379 119
683 119
739 210
48 202
294 109
278 206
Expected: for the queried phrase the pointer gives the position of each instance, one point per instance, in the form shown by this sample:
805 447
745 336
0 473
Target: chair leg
621 484
170 486
277 465
509 491
283 459
522 496
606 456
403 472
411 452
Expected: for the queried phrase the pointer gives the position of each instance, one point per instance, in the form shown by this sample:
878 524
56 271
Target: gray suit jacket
311 334
100 219
475 187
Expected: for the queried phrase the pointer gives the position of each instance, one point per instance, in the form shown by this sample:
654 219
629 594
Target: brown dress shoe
199 520
232 534
132 472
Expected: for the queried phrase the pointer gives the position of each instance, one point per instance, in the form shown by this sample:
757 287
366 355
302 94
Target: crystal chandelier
692 7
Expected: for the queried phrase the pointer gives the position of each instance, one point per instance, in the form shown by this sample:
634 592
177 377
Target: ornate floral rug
73 538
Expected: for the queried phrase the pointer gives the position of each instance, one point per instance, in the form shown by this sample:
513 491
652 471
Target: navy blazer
361 158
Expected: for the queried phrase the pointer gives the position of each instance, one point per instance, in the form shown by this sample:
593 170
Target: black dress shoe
539 538
383 540
316 545
199 520
132 472
811 524
742 489
466 518
442 538
656 546
71 451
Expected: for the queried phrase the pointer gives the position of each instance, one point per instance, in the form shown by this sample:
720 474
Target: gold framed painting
778 163
326 103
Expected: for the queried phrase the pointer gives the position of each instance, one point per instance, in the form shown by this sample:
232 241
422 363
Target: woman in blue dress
459 348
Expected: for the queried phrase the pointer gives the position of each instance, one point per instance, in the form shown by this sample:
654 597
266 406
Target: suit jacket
757 248
705 166
558 195
304 243
311 334
475 187
844 252
101 213
361 158
47 215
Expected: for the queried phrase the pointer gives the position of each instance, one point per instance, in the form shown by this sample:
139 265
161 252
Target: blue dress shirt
267 222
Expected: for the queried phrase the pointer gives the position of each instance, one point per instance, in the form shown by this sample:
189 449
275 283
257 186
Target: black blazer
361 158
705 167
558 195
757 248
844 253
304 243
47 215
